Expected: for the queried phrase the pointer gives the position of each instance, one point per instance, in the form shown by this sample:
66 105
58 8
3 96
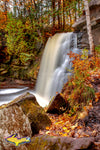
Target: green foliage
84 54
21 39
24 57
97 49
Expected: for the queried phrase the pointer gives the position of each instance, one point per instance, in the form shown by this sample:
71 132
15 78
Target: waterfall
55 66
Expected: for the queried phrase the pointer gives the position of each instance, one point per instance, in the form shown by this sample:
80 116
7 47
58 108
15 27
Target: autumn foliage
3 20
79 90
80 94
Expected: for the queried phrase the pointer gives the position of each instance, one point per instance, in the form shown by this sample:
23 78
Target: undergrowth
79 90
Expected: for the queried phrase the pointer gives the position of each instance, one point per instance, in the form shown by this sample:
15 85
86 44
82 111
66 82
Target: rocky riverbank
25 117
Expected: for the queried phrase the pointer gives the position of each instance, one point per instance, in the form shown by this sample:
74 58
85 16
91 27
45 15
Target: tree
63 14
54 16
59 14
4 7
91 42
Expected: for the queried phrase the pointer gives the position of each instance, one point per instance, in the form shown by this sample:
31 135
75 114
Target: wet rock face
83 41
12 121
26 97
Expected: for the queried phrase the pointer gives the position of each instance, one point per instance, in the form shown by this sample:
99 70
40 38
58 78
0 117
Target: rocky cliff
80 25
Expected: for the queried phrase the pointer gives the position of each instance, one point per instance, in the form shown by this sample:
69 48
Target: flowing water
7 95
54 69
55 65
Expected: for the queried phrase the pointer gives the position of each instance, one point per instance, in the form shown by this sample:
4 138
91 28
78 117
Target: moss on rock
45 142
37 117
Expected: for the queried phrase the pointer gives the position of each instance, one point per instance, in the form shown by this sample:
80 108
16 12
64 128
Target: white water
12 90
53 70
55 65
7 95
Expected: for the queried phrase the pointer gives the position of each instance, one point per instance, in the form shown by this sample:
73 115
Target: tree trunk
14 8
75 11
59 16
78 8
5 8
54 17
70 18
63 14
89 31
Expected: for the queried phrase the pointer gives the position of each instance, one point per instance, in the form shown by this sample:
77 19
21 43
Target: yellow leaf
67 131
60 133
73 83
65 134
59 122
47 128
64 128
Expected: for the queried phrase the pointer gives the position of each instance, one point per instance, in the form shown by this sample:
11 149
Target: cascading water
54 70
55 65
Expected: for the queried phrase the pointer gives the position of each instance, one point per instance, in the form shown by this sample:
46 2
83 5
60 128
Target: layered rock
80 25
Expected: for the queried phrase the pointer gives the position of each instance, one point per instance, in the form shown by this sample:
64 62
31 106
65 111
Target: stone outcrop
80 25
23 116
94 3
44 142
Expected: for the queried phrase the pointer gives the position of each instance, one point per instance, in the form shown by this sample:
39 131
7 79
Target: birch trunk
89 31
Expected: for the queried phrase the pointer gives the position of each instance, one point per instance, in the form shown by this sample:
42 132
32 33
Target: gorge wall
81 28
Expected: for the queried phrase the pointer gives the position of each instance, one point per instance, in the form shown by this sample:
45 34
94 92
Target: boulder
36 115
44 142
12 121
58 105
26 97
23 116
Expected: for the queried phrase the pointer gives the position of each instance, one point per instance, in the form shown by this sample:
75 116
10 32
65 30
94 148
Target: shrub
21 39
79 91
